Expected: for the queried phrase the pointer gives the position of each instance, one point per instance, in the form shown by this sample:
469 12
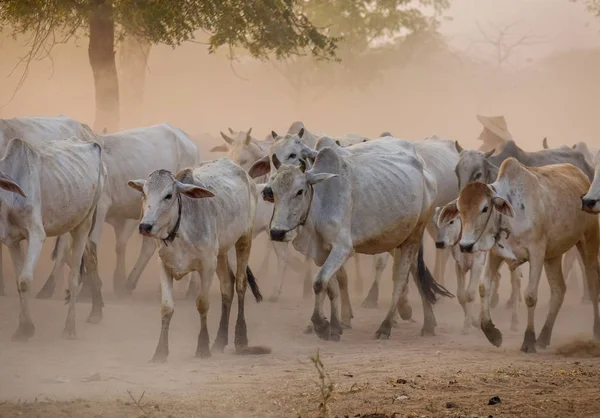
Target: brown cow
529 214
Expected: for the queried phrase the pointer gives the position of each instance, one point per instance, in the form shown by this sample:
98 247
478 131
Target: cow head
240 147
161 194
292 189
448 234
288 149
474 166
479 207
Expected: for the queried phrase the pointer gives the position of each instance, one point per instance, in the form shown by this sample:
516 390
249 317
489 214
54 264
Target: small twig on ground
326 385
137 402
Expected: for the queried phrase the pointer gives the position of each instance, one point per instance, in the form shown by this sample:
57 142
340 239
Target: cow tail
253 285
428 286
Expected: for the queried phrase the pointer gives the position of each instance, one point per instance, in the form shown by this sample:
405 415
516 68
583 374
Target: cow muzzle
466 248
589 205
145 229
278 235
440 245
267 194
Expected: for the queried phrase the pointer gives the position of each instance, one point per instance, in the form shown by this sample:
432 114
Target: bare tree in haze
264 28
504 41
374 36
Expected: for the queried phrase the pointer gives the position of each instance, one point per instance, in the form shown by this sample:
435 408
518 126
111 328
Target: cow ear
248 137
227 139
489 153
219 148
314 178
260 168
7 183
448 213
193 191
137 185
503 206
301 133
597 158
274 135
459 149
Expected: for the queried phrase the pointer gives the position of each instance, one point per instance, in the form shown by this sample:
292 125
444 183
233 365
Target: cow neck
173 234
499 231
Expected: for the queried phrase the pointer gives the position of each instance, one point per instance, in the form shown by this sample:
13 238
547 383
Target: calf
48 190
529 214
196 217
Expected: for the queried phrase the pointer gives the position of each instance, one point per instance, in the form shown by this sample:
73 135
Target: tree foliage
262 27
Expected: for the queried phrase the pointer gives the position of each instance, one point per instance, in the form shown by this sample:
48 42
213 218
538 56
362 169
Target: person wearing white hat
495 133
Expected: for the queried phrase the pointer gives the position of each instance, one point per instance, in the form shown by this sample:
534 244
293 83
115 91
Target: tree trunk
133 64
102 59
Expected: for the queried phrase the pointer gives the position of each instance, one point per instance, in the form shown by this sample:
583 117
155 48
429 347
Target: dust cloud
546 87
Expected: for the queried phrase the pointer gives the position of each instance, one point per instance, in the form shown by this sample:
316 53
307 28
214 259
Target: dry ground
449 375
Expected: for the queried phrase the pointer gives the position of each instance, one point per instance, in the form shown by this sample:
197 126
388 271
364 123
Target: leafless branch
138 402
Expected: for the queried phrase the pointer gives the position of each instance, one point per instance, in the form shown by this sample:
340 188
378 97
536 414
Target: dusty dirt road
449 375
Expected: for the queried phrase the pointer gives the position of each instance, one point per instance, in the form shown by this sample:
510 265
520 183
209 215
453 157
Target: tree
374 36
264 28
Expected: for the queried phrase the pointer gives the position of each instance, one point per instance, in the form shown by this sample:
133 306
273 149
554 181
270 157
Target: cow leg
26 328
588 249
90 261
515 296
403 257
80 238
2 290
148 248
263 270
347 314
477 266
124 229
439 269
242 253
281 250
536 263
226 280
166 312
193 285
308 283
495 291
492 265
379 263
558 288
58 255
462 296
358 284
585 298
336 259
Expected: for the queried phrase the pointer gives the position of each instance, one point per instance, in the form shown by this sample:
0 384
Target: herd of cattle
332 197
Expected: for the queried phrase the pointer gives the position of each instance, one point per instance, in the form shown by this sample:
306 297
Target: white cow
441 157
129 154
197 217
351 203
49 189
35 130
529 214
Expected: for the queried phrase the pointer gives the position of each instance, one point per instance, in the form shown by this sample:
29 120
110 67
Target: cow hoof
218 346
334 337
308 330
203 353
369 304
24 332
405 311
492 333
466 330
427 332
159 357
95 318
384 331
495 300
46 292
273 298
69 333
529 342
382 336
323 329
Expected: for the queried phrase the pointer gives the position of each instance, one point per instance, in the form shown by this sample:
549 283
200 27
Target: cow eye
168 197
451 222
477 176
291 156
484 210
300 192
